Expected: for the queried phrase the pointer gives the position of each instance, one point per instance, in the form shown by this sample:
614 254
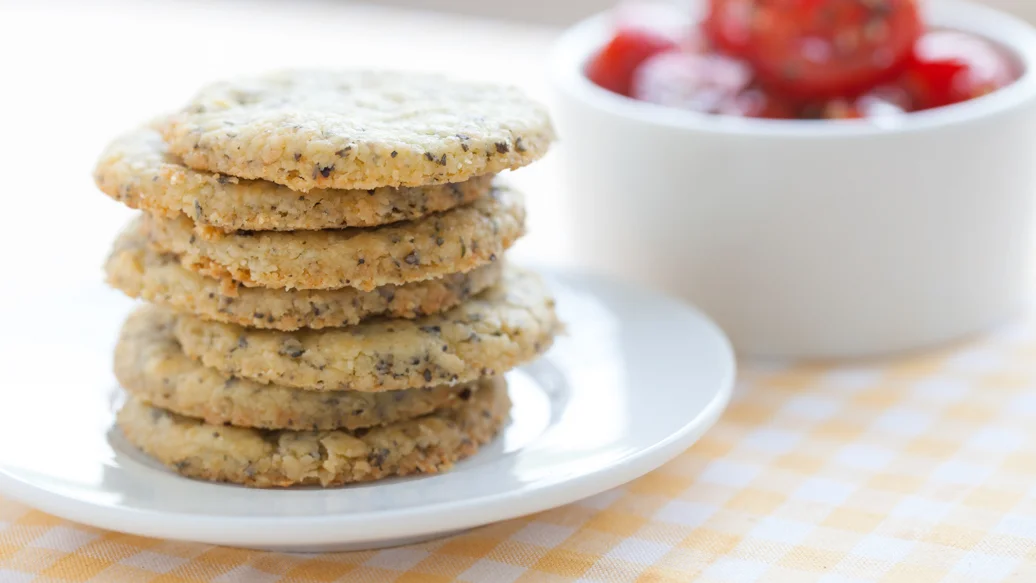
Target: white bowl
811 238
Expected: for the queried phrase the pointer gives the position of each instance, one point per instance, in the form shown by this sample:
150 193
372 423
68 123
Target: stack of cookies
323 253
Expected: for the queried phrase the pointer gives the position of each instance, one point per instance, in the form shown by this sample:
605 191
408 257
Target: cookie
150 365
358 129
454 241
263 458
138 171
509 324
140 272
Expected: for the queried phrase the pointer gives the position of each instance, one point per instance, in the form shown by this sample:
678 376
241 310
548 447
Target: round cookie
137 170
509 324
150 365
454 241
358 129
141 272
265 459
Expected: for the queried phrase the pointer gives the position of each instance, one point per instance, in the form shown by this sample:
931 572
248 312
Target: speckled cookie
150 365
454 241
509 324
264 458
141 272
138 171
358 129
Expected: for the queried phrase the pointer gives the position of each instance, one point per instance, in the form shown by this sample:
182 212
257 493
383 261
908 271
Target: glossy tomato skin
727 25
705 83
819 49
949 67
612 68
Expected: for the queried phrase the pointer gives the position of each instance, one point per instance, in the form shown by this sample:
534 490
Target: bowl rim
576 44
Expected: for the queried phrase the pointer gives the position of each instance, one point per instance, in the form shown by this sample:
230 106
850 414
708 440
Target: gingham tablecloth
912 470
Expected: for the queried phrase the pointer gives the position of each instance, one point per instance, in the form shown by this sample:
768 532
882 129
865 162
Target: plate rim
382 525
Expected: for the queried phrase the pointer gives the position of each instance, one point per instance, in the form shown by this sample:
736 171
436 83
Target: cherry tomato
613 67
817 49
726 25
950 67
694 81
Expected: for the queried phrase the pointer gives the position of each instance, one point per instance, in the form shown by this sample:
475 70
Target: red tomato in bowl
831 48
949 67
727 25
698 82
613 67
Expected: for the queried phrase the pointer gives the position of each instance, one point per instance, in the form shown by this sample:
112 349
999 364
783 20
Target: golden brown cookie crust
454 241
358 129
137 170
506 326
150 365
141 272
267 459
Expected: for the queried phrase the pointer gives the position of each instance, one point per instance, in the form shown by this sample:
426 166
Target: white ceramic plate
636 380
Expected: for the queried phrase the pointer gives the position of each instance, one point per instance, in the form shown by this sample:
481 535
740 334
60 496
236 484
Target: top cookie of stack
281 213
319 151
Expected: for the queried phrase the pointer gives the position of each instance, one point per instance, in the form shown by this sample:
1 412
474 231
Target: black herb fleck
502 148
429 156
242 342
344 151
377 458
326 171
292 347
442 161
465 394
394 153
412 258
518 145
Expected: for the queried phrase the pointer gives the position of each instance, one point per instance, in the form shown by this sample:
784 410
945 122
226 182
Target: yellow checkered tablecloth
912 470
